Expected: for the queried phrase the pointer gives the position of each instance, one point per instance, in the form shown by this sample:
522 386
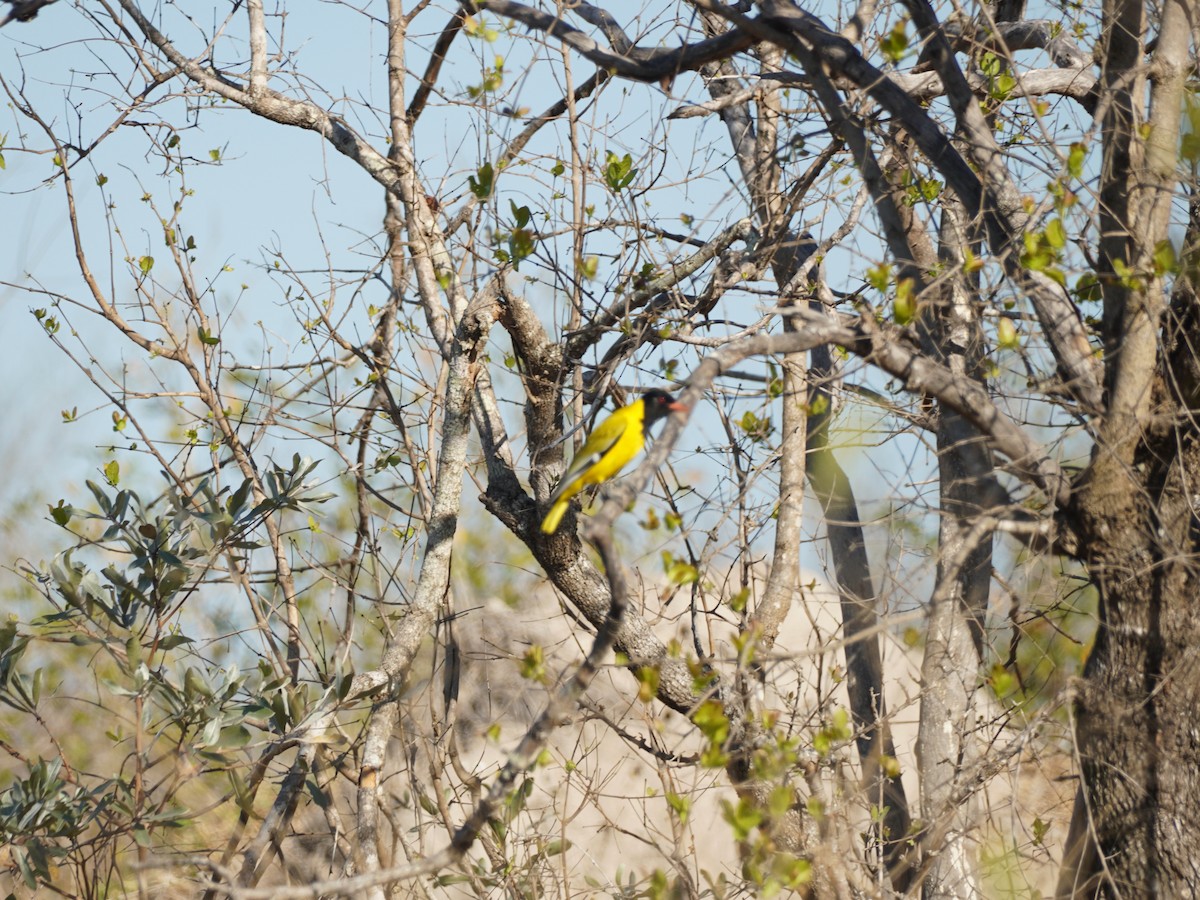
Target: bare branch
638 63
258 47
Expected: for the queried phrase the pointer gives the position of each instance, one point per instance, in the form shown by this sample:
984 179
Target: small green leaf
1165 260
533 664
680 805
1040 829
1003 682
757 428
904 307
482 185
743 816
838 731
521 214
206 338
112 472
738 601
710 718
1056 235
62 513
1087 288
1006 334
679 571
648 680
879 277
895 42
520 245
618 171
1075 158
146 263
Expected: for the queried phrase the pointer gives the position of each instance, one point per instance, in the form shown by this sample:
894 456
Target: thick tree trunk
1135 510
1134 832
1138 738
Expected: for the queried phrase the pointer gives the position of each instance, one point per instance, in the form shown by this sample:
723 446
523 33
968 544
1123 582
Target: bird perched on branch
612 444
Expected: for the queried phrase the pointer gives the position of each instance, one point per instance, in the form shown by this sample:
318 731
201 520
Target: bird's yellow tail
554 517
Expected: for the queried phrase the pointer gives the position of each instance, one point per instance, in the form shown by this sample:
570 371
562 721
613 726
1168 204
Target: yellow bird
616 441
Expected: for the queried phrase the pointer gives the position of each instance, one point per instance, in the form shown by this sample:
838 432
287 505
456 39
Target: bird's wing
599 442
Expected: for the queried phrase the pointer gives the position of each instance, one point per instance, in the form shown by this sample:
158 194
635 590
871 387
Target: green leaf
1056 235
146 263
62 513
521 214
1003 682
1040 829
680 805
1075 159
1165 260
738 601
1002 86
904 307
1006 334
679 571
879 277
648 680
836 732
233 737
520 245
743 816
112 472
482 186
533 664
479 28
618 171
710 718
757 428
206 338
1087 288
895 42
238 498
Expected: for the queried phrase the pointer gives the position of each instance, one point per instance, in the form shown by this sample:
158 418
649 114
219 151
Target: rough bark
1135 508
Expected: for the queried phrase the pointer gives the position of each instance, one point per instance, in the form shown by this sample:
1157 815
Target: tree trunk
1138 742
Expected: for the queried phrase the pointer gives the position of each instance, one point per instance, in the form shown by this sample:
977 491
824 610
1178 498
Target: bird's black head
658 405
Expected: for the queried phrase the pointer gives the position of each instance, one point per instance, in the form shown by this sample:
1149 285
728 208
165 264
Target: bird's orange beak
676 406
